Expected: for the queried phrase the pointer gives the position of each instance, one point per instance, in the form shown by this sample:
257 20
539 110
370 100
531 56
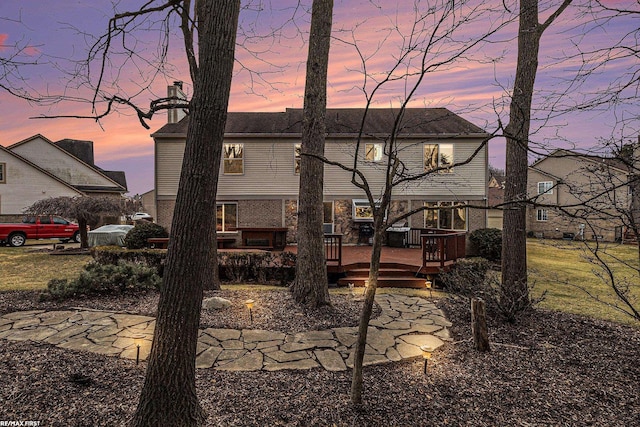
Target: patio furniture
268 238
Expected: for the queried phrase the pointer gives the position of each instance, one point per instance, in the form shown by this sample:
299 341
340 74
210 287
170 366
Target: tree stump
479 328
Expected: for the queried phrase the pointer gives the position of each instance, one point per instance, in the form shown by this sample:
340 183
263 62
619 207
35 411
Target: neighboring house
148 201
37 168
578 196
496 198
259 172
494 215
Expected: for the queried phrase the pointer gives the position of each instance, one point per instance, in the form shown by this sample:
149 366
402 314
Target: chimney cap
178 83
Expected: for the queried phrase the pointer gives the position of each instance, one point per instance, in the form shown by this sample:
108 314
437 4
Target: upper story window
438 156
373 152
297 149
3 173
233 159
226 217
545 187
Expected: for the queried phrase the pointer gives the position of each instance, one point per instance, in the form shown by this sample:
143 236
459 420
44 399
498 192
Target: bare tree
431 43
311 285
86 210
515 290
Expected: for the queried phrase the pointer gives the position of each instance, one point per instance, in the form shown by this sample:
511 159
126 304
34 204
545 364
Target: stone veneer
270 213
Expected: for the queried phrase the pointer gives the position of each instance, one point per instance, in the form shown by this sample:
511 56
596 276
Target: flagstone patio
405 324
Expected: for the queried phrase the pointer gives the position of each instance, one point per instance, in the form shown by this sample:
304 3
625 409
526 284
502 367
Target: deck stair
391 275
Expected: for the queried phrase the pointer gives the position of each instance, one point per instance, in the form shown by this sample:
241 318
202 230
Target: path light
138 341
428 284
249 303
427 352
366 286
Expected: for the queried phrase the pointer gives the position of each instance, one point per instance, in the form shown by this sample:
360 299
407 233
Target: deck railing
333 248
440 246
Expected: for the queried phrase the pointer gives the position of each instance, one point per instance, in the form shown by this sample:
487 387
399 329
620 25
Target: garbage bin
397 237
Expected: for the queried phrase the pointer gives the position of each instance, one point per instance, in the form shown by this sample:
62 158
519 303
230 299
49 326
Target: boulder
215 303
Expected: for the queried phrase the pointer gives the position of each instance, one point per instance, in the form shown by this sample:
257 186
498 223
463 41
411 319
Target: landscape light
427 352
138 341
249 303
428 284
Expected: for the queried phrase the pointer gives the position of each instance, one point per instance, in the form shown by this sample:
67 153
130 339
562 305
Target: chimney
83 150
175 94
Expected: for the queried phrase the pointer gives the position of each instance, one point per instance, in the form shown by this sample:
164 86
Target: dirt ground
548 369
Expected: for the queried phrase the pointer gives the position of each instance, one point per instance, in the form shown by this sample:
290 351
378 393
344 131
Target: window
438 156
373 152
362 211
445 216
3 173
327 213
233 159
545 187
297 149
226 217
542 215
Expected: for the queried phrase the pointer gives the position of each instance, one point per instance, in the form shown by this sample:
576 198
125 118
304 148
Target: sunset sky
270 70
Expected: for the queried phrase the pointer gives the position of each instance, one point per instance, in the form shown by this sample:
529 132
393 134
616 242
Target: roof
66 146
416 121
39 169
611 162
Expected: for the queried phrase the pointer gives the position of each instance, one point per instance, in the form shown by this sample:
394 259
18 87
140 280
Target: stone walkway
405 324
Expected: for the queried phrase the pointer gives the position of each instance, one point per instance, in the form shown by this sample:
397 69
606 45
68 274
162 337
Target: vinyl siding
269 170
25 185
61 164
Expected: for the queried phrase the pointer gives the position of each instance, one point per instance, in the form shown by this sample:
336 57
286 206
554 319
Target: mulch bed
548 369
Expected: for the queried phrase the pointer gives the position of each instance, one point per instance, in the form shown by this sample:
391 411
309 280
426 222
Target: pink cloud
3 40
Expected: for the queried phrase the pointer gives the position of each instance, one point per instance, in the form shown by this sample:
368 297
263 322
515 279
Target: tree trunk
479 328
367 309
515 290
169 393
84 237
311 285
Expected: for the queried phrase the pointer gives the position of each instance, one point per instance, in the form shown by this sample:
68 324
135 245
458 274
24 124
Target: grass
566 272
25 269
563 269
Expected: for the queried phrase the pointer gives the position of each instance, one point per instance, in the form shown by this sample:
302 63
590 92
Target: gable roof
116 177
416 121
611 162
39 169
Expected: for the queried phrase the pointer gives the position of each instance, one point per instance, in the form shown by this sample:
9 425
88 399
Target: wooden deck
411 267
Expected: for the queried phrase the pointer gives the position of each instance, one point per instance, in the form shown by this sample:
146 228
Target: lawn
566 272
26 268
560 268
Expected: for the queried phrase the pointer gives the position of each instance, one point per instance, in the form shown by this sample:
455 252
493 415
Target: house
495 194
259 172
578 196
37 168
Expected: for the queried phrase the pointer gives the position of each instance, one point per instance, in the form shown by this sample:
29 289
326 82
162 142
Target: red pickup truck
39 227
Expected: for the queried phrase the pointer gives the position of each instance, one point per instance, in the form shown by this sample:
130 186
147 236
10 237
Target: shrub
104 279
471 278
487 242
137 237
114 255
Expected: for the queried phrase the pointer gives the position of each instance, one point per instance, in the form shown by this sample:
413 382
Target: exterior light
429 284
427 352
249 303
138 341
